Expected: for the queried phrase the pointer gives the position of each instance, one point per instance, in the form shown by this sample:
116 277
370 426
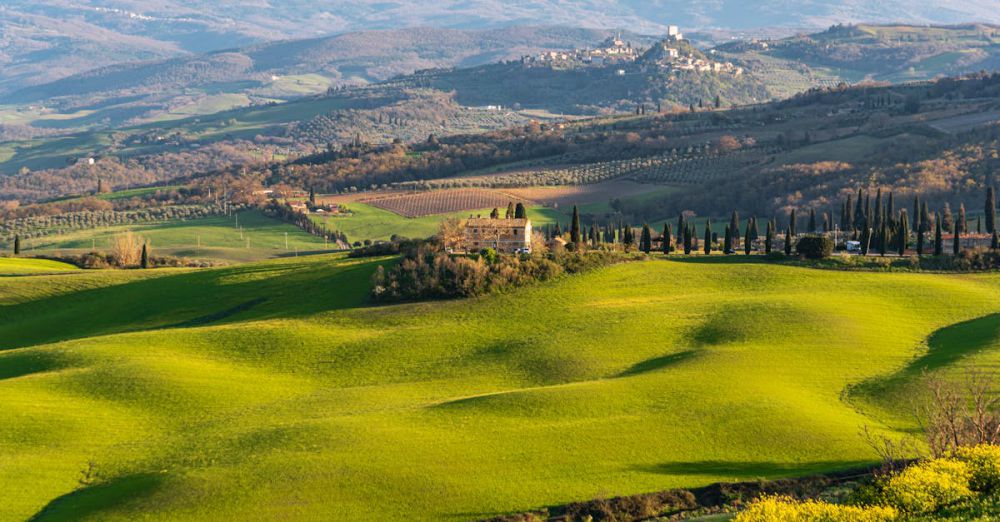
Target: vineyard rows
443 202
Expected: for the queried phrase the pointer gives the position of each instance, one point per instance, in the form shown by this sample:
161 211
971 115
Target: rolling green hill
275 391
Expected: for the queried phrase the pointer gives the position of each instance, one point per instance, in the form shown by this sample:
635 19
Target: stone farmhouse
507 236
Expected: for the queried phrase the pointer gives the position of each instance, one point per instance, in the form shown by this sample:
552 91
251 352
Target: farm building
507 236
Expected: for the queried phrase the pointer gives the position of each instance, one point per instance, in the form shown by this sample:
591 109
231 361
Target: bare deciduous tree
126 249
954 415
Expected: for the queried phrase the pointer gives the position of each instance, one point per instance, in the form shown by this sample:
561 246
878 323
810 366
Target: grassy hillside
15 266
274 391
214 238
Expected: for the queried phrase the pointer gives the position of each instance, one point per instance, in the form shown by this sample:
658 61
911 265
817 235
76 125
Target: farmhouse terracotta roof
500 222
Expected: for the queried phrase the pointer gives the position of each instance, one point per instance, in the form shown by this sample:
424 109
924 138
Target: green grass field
214 238
276 391
368 222
19 266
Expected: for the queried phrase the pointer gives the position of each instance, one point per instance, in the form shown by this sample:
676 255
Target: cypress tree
920 242
495 214
687 240
812 220
788 242
646 241
747 242
847 223
792 223
938 239
859 211
574 231
727 244
904 232
866 240
755 234
963 226
995 242
17 245
947 219
826 223
890 211
681 225
708 237
558 231
991 209
957 243
520 212
144 260
312 196
925 218
733 231
878 210
979 224
510 210
882 240
768 238
666 238
916 213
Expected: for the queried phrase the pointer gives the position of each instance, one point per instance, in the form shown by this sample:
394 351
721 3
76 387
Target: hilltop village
672 53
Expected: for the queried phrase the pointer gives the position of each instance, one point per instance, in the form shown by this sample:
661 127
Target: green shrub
815 247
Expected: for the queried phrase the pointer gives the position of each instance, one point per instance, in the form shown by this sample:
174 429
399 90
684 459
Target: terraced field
275 391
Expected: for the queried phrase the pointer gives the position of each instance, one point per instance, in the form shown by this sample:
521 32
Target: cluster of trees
429 272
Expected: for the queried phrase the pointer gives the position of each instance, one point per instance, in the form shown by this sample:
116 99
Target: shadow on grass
217 296
92 500
658 363
23 364
751 469
702 259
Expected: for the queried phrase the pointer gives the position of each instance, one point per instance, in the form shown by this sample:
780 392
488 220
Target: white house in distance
507 236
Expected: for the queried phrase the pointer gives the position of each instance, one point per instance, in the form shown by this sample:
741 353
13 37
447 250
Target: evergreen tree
727 245
956 240
904 232
812 220
646 240
17 244
755 231
788 242
883 239
747 242
916 214
890 209
826 223
963 226
681 224
733 231
946 217
708 237
574 231
144 260
557 232
520 212
879 218
847 222
866 240
938 239
925 218
991 209
920 242
312 196
768 238
792 223
995 242
687 240
510 211
859 212
495 214
666 238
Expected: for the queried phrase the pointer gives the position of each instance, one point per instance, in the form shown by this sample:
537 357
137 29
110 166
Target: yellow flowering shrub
929 486
984 464
784 509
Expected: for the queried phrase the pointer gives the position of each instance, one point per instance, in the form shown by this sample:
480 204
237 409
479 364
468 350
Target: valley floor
274 390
